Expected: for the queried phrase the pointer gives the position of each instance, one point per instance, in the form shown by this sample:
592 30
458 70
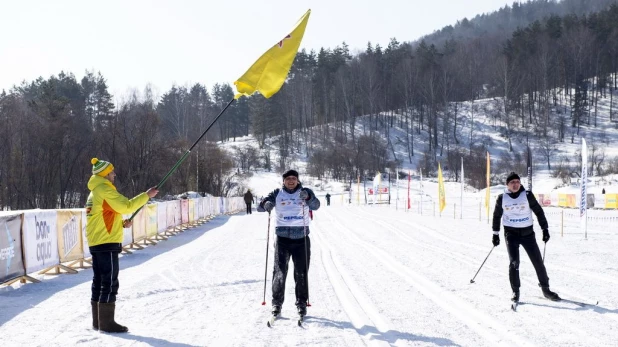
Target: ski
271 321
579 303
575 302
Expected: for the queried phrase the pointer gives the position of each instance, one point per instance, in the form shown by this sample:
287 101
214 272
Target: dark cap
290 173
512 176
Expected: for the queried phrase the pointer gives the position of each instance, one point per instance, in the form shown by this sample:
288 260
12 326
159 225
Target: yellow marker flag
487 181
441 193
269 72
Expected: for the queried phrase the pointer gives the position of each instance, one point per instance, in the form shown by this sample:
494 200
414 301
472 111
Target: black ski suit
522 236
248 201
291 244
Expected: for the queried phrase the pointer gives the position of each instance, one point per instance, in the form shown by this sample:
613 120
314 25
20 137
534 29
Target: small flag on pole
529 162
397 187
409 179
583 202
421 184
487 182
441 193
462 191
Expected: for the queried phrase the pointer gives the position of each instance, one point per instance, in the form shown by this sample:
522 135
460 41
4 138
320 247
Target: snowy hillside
479 124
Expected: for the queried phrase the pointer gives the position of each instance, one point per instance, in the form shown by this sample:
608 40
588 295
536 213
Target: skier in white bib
292 203
514 209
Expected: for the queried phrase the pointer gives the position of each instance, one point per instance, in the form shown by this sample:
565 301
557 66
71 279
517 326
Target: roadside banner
161 217
85 246
151 220
68 228
139 226
11 263
40 240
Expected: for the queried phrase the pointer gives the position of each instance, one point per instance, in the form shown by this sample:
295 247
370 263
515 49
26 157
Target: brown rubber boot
106 319
95 314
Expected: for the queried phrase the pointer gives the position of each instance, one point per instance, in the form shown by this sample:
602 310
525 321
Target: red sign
381 190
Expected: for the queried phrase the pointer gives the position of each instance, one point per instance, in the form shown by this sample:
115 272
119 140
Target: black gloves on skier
495 240
304 194
268 206
545 235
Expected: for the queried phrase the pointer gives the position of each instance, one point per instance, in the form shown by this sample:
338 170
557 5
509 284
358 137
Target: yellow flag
487 176
441 194
269 72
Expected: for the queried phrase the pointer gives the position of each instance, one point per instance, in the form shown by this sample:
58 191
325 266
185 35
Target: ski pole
545 246
266 267
477 272
306 256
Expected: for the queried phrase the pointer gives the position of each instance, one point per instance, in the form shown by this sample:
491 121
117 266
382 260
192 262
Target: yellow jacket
104 210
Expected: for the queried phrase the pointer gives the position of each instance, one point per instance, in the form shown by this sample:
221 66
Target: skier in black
293 204
515 208
327 196
248 200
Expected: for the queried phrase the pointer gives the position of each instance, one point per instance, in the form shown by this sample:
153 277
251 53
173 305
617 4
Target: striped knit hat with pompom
101 167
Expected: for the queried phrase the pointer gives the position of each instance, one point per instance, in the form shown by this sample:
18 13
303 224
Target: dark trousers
327 202
513 240
248 208
294 248
105 280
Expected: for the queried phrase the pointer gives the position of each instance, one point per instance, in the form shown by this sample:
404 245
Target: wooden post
21 279
81 264
57 270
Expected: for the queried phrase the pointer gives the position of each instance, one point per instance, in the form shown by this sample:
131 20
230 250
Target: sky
162 43
379 276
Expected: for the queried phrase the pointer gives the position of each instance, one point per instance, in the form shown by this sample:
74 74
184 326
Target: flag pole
529 162
462 190
583 202
186 154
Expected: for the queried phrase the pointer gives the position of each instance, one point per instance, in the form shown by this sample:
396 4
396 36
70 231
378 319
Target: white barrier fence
54 241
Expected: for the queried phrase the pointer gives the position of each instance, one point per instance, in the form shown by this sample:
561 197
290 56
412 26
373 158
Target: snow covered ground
378 277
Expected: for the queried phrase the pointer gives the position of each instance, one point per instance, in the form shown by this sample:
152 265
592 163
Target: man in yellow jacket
104 230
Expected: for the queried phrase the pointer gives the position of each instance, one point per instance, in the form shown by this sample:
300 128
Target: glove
268 206
304 194
495 240
545 235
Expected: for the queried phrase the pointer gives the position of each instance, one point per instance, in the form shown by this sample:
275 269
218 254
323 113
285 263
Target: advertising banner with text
40 240
68 228
161 217
85 246
139 226
151 219
11 263
184 211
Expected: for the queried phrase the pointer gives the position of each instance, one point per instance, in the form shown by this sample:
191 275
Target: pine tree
580 101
